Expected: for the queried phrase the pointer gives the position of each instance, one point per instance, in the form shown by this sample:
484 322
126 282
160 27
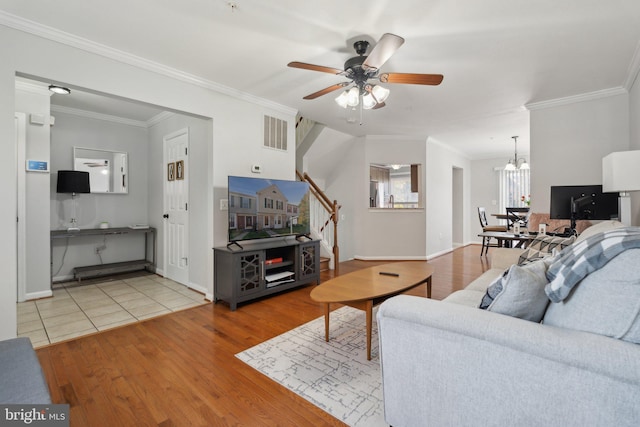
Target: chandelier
516 163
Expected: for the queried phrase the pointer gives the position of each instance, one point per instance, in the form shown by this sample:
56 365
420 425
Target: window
512 186
268 203
232 221
245 202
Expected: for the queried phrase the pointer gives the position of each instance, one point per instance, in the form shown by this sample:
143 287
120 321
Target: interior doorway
457 207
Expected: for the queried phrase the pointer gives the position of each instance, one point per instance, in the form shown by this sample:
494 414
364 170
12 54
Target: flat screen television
262 208
584 201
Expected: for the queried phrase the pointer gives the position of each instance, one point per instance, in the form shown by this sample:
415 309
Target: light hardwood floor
180 369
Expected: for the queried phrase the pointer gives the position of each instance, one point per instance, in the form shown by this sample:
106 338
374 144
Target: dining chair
486 241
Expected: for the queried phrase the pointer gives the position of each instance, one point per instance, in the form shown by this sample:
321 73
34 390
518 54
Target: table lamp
621 174
73 182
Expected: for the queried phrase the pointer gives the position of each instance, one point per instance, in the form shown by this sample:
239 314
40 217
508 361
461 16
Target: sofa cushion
543 246
22 379
519 292
468 297
599 228
487 278
606 302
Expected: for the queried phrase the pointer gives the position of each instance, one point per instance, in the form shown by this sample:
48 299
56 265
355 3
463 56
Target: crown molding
68 39
634 69
590 96
434 141
98 116
159 118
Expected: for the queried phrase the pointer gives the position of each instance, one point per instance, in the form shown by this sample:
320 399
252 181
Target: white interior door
176 203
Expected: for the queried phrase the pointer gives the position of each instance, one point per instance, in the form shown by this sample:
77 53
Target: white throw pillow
519 292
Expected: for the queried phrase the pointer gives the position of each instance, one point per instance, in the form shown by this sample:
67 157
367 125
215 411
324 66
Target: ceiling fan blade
410 78
326 90
387 45
312 67
379 105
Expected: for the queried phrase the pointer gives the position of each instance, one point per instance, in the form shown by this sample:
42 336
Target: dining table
508 239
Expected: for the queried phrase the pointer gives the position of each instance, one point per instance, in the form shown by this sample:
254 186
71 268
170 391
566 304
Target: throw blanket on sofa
577 261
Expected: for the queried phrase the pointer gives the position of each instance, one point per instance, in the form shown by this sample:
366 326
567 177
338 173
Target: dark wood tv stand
263 267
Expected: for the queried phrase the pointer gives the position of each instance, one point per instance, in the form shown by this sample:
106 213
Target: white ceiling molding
98 116
634 69
434 141
68 39
159 117
576 98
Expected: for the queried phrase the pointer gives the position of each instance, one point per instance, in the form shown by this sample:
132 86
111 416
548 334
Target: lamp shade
620 172
73 182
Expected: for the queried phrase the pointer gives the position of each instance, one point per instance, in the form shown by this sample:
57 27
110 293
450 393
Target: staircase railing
324 217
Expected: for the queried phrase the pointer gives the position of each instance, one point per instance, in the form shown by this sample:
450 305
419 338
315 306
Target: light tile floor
100 304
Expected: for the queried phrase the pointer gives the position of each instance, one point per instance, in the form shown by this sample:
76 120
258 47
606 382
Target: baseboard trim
65 278
37 295
437 254
390 258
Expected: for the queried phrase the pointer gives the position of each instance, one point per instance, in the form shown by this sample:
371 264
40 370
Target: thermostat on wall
37 166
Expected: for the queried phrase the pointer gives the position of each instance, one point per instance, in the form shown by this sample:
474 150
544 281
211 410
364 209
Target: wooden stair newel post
336 249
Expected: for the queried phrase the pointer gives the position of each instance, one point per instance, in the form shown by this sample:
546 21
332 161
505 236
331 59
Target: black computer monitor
576 202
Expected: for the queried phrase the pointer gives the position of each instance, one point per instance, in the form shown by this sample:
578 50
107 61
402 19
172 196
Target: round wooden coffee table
365 288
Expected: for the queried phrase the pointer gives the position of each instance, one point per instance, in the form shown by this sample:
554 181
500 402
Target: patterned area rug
334 375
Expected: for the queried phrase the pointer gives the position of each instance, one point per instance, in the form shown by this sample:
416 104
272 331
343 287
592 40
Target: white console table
111 268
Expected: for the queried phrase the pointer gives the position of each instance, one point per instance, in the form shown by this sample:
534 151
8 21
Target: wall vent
275 133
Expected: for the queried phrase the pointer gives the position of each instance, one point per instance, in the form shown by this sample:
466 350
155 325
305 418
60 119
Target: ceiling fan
361 69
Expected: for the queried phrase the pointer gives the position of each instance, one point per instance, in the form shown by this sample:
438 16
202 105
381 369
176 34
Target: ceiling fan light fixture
342 99
380 93
368 102
353 97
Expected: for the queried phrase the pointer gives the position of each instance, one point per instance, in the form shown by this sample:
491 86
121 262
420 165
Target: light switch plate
224 204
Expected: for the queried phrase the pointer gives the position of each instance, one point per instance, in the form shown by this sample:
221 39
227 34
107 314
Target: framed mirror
108 170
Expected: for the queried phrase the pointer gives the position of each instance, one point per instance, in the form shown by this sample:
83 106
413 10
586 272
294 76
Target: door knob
165 216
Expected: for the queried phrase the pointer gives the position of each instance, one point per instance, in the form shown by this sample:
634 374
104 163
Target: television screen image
590 202
262 208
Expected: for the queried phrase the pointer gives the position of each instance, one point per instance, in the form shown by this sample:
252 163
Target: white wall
634 142
37 280
569 141
458 213
393 234
440 161
119 210
236 137
390 233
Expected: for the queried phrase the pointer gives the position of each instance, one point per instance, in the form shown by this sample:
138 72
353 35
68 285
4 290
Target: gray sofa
449 363
21 377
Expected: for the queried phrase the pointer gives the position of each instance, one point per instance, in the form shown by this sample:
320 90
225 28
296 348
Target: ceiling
496 55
